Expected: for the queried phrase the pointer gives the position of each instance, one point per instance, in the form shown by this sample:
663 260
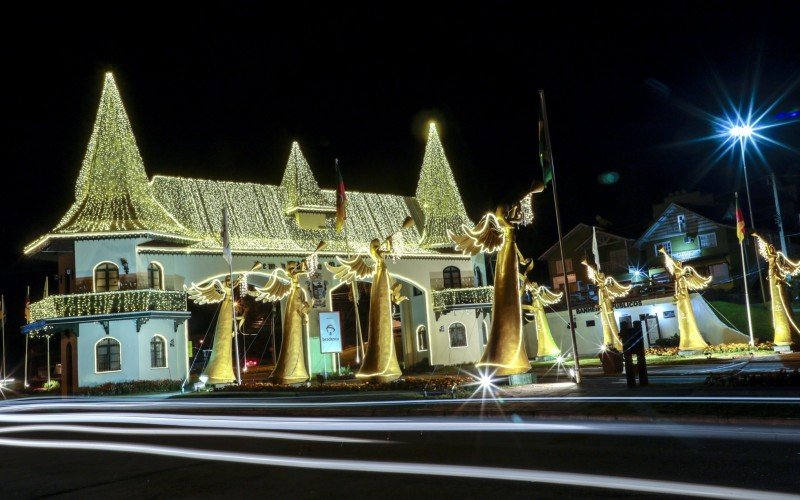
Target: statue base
690 352
522 379
782 348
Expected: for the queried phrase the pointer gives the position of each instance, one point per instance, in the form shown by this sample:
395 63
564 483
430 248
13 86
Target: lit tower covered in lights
438 195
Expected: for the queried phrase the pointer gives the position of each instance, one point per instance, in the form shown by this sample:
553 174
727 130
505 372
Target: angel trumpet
686 281
220 367
291 365
785 330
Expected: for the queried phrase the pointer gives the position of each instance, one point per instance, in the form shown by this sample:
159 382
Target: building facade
129 245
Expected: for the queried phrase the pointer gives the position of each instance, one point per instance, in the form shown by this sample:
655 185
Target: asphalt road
205 449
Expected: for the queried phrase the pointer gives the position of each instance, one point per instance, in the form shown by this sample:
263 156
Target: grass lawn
737 314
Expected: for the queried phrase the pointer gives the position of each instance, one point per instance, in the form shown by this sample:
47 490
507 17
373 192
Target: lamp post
742 133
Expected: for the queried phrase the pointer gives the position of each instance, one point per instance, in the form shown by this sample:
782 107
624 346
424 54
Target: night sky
221 95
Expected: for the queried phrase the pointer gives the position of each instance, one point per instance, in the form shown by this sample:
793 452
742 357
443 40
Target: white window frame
427 338
161 269
681 220
666 244
450 337
94 276
166 352
709 238
94 350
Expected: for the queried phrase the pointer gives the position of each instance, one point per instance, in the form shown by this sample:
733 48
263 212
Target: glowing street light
743 132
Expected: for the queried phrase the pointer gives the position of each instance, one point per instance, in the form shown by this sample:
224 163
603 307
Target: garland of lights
456 296
95 304
438 195
112 192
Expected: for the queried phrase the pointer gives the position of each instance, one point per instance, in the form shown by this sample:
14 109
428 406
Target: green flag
545 158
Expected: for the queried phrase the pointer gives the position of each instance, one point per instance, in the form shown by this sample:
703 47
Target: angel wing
486 237
615 289
787 267
668 262
546 296
356 268
210 294
694 281
591 272
763 246
278 287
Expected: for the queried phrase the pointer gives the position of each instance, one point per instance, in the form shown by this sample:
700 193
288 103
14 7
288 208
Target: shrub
131 387
673 341
402 384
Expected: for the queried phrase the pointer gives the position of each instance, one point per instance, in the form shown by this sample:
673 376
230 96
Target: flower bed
773 379
402 384
131 387
712 349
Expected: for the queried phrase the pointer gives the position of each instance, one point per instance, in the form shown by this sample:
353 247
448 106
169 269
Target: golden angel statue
291 365
219 369
380 359
542 296
505 353
787 334
608 289
686 280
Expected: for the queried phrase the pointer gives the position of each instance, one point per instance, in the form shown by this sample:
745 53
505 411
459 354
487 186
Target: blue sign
330 332
36 325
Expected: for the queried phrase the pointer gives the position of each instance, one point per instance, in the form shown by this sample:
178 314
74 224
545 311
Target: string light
100 303
243 285
438 195
112 193
302 190
443 299
526 206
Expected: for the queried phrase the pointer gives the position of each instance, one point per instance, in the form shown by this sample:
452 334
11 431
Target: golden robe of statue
505 353
780 268
219 369
687 280
380 360
291 365
608 289
542 296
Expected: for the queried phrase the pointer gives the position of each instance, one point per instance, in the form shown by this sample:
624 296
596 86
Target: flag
341 200
545 156
740 230
28 306
226 239
595 250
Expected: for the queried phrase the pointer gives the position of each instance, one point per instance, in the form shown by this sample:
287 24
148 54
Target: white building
129 244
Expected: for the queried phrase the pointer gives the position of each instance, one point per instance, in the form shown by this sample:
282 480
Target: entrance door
652 329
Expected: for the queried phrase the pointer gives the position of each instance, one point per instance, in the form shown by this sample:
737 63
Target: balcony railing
455 298
464 282
97 304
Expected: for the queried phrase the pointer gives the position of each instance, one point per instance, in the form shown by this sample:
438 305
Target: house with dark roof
128 246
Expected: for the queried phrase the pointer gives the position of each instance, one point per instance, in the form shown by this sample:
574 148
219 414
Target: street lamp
743 132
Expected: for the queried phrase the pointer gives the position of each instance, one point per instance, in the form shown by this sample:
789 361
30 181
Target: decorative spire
113 193
437 194
301 187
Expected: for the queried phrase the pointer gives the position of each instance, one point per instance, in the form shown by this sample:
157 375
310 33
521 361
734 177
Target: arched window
107 355
155 276
106 277
158 352
422 338
478 276
484 333
452 277
458 335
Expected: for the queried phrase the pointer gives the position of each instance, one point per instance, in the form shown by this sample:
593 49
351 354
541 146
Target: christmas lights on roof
438 195
112 194
302 190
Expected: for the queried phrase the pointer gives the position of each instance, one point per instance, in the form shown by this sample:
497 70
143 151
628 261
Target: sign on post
330 332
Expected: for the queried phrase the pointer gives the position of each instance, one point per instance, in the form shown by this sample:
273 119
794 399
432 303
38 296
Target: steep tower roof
113 194
302 190
438 195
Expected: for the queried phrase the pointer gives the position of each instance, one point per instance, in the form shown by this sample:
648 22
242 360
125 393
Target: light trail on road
425 469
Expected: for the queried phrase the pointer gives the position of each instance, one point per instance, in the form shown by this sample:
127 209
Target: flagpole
744 278
572 324
47 337
27 335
